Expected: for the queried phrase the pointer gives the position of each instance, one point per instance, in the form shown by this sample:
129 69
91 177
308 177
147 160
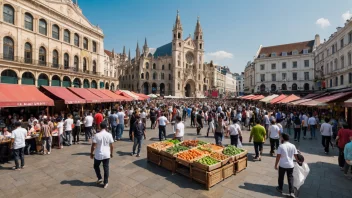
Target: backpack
297 121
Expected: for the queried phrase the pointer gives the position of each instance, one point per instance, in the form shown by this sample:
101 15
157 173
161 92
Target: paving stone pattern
69 173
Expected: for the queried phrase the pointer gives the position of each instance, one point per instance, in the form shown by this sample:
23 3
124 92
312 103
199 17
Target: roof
278 99
289 99
289 48
86 94
62 93
108 53
165 50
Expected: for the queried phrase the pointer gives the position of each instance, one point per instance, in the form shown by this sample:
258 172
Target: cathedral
175 68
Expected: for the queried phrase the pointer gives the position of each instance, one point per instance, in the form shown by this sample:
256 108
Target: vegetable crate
183 170
168 163
153 157
228 170
208 178
241 164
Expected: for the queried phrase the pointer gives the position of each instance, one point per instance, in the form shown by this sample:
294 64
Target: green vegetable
201 143
208 161
176 149
232 150
173 141
204 149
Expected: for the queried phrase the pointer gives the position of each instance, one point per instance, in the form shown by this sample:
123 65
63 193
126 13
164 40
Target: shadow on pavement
84 154
120 153
264 189
78 183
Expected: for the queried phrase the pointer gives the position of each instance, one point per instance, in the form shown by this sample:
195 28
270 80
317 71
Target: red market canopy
258 97
86 94
298 102
104 97
114 96
245 97
278 99
142 96
310 96
289 99
314 103
14 95
348 103
333 97
251 97
61 93
124 95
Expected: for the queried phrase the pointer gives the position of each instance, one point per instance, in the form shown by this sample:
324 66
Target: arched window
56 32
179 74
28 21
27 53
162 76
198 76
169 66
76 63
155 76
84 64
8 48
170 78
273 87
94 46
142 76
294 86
85 43
76 40
154 66
67 36
341 80
147 76
9 14
66 61
306 87
94 67
162 67
42 56
42 27
147 65
178 86
55 59
284 87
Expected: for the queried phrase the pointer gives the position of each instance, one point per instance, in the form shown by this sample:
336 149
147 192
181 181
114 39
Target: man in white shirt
235 132
326 133
266 123
305 125
121 124
312 124
180 129
274 134
68 129
88 123
101 151
60 127
18 138
162 122
284 163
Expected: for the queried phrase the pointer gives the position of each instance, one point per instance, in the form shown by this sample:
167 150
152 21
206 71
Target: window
170 78
273 66
198 76
341 80
42 56
162 76
294 76
335 64
178 86
169 66
84 64
178 63
284 53
350 77
336 81
294 64
162 67
147 76
8 48
295 52
155 76
306 63
350 37
333 49
28 53
42 27
142 75
284 76
200 46
294 86
66 61
179 74
94 46
273 77
76 40
330 82
67 36
76 63
154 66
284 65
55 59
273 54
55 32
9 14
342 61
85 43
349 58
342 43
262 56
28 21
306 75
305 51
262 67
147 65
262 77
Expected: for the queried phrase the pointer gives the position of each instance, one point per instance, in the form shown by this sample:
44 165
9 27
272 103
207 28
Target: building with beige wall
249 78
50 42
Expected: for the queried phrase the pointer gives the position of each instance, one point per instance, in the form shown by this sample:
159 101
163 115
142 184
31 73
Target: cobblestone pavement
69 173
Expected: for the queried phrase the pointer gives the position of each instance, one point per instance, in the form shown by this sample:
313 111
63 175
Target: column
19 80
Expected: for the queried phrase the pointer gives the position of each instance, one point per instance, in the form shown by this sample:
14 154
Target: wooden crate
241 164
153 157
228 170
214 177
206 167
199 175
243 154
168 163
183 170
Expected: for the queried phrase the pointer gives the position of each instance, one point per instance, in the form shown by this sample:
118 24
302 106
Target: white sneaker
99 181
48 153
106 185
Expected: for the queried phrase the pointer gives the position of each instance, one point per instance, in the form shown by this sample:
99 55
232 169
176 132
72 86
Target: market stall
203 162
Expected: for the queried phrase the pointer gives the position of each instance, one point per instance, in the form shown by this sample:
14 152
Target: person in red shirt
98 118
343 137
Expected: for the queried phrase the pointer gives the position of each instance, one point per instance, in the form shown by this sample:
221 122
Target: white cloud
323 23
219 55
346 15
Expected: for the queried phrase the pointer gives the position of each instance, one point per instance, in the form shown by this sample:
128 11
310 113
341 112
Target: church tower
199 45
138 53
177 48
145 48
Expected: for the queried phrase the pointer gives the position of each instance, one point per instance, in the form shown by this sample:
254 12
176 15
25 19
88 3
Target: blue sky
233 29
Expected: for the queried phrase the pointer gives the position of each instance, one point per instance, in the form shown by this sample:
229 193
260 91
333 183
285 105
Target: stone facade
230 84
50 42
175 69
239 83
249 78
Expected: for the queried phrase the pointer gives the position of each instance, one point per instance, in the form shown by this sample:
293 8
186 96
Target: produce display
218 156
205 151
208 161
176 149
192 143
232 150
161 145
213 147
173 141
190 155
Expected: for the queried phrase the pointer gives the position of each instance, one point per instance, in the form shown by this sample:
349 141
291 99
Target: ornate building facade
174 69
51 43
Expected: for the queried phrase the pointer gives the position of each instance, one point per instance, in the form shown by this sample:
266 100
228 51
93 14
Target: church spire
129 55
145 42
138 53
178 25
198 27
145 48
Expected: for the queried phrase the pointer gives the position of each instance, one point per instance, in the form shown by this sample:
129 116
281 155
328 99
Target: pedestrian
305 125
143 117
234 130
18 138
162 121
258 133
343 137
113 119
199 122
68 129
121 123
77 129
138 132
348 156
284 163
266 121
220 127
101 152
180 129
88 124
274 135
60 128
98 118
211 118
46 137
132 120
297 126
326 134
312 125
152 116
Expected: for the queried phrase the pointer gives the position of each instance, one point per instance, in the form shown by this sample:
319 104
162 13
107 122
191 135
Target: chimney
317 40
